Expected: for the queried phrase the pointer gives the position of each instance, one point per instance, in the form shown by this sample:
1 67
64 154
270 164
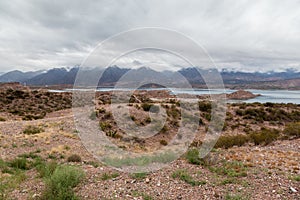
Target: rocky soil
247 172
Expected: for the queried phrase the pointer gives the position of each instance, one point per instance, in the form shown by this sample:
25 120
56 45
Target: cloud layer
244 35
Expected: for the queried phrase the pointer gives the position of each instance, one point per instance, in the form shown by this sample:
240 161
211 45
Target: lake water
274 96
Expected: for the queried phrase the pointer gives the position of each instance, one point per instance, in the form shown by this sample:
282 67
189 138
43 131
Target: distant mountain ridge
62 76
18 76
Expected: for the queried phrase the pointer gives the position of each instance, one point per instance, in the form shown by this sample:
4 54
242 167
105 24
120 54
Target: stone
293 190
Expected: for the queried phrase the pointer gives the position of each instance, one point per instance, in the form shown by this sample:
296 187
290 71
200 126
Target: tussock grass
183 175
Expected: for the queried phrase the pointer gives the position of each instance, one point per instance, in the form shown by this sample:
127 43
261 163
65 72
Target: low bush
292 129
105 126
173 112
164 129
31 130
227 141
107 115
146 106
19 163
184 176
265 136
163 142
230 169
205 106
193 156
113 134
59 186
140 175
74 158
107 176
46 169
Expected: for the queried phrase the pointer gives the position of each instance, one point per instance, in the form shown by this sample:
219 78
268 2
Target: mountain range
289 79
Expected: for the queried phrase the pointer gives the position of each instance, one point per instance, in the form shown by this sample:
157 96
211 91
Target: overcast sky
244 35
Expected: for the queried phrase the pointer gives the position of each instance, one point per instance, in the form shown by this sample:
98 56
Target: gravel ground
269 168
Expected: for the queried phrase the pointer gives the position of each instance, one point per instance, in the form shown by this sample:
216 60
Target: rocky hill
241 95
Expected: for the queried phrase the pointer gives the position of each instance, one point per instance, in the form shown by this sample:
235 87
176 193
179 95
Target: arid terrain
42 157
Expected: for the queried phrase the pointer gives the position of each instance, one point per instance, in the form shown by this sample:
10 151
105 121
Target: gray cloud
245 35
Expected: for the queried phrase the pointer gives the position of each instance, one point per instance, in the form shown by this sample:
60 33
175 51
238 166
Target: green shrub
205 106
2 119
59 186
93 163
292 129
113 134
46 169
146 106
239 112
265 136
184 176
174 112
31 155
164 129
107 176
74 158
227 141
140 175
193 156
231 169
4 167
19 163
31 130
105 126
107 115
163 142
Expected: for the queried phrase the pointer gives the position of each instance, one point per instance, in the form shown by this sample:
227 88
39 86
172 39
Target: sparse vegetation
265 136
74 158
113 134
105 126
141 194
32 105
184 176
31 130
60 184
230 169
227 141
292 130
205 106
146 106
192 156
223 168
295 178
163 142
140 175
19 163
235 197
107 176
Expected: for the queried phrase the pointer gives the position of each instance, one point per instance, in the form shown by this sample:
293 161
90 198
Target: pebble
293 190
